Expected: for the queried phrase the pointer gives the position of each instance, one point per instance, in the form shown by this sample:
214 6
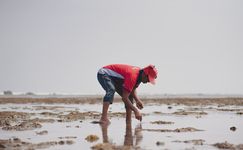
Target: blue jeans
108 85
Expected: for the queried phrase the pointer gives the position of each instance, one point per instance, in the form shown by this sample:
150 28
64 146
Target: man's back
126 73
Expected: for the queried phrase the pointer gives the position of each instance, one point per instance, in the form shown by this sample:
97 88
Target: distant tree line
8 92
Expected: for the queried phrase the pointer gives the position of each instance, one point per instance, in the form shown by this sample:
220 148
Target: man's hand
139 104
128 103
138 115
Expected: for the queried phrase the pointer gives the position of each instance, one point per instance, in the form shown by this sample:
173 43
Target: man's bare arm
139 103
134 94
128 103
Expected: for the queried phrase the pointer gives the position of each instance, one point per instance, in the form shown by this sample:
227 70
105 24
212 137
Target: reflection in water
128 138
138 134
104 128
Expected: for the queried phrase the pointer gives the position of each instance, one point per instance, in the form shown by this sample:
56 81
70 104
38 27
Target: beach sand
168 123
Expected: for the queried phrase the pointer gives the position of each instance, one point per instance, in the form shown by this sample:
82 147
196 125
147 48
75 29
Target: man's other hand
139 105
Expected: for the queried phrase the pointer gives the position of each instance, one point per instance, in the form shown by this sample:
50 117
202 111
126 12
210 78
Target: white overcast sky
58 45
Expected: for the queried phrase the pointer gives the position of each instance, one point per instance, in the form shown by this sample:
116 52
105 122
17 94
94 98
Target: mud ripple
187 129
18 144
23 126
161 122
190 113
7 118
194 142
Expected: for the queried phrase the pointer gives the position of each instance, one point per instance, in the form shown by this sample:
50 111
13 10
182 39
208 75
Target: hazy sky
58 45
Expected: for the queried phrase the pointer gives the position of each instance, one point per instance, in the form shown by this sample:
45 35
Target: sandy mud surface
168 123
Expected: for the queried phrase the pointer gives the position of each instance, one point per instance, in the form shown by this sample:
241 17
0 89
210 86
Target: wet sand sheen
66 123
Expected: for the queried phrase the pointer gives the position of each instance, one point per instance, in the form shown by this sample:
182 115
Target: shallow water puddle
70 134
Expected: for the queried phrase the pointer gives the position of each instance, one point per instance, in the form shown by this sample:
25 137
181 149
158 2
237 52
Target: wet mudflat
53 123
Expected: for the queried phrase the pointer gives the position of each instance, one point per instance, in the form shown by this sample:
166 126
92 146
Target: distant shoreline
145 96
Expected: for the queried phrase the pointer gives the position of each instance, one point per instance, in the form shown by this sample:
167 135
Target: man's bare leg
128 115
104 118
129 111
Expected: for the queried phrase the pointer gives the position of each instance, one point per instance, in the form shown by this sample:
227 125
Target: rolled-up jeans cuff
108 99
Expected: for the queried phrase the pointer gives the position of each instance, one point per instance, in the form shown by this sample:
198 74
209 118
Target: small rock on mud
42 132
233 128
92 138
159 143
